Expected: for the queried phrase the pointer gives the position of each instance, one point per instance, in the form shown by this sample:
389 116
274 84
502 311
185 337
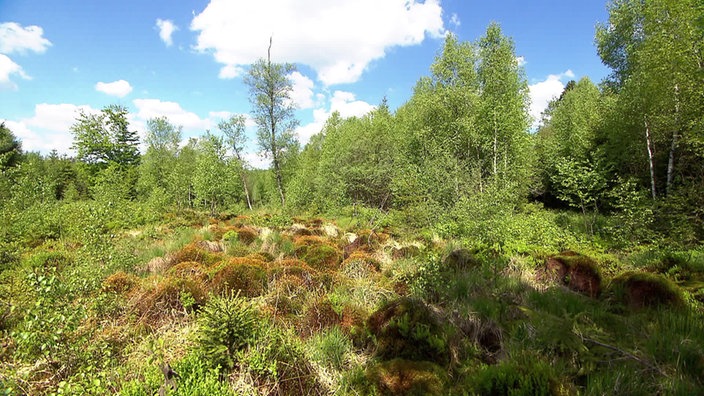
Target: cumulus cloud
15 38
8 68
230 71
343 102
166 30
542 92
337 39
49 128
151 108
302 93
119 88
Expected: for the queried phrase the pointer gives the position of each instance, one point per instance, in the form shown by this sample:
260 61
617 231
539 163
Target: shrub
225 326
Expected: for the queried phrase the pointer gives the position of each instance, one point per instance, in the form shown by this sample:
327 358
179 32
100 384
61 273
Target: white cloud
228 72
256 160
8 68
216 116
343 102
15 38
348 106
521 61
455 20
337 39
119 88
56 117
302 94
151 108
166 30
541 93
49 128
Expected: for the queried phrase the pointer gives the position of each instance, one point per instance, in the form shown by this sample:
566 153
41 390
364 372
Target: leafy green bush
225 326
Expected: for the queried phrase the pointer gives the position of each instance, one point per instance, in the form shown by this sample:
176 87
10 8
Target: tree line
630 146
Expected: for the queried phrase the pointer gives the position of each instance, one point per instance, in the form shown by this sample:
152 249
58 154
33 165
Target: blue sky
185 59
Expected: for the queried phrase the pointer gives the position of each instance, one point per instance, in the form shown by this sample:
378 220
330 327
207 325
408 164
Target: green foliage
330 348
199 377
409 329
225 326
511 378
105 137
273 111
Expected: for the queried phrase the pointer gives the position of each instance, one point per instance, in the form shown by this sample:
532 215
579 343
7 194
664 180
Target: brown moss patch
318 253
163 299
120 282
247 235
246 276
318 316
643 289
189 269
579 273
194 252
159 264
360 265
406 377
210 246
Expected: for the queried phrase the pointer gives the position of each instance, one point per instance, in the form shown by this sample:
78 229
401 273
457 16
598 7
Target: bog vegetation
442 248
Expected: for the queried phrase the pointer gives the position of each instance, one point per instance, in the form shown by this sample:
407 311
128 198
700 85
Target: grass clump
330 348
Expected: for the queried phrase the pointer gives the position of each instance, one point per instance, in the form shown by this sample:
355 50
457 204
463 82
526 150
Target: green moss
246 276
408 328
644 289
511 378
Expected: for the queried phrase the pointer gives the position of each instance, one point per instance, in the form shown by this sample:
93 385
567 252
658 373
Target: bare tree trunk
496 138
673 147
274 148
650 159
246 191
